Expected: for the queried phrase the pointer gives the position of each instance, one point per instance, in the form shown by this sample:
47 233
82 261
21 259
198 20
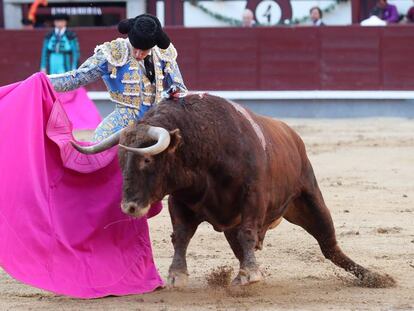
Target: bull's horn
163 141
101 146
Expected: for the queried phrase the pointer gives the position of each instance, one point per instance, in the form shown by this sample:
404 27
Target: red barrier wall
297 58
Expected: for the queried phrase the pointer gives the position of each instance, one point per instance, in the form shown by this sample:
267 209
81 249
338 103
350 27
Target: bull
223 164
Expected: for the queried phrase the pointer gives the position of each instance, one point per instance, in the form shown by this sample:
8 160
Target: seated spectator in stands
316 16
410 15
389 12
374 19
248 18
27 24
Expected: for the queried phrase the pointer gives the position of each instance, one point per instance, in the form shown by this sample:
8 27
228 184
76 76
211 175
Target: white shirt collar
318 22
61 31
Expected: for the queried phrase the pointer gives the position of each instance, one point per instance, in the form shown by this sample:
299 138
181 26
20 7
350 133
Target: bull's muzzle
133 209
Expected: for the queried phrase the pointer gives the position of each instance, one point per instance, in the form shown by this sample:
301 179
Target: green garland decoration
219 17
236 22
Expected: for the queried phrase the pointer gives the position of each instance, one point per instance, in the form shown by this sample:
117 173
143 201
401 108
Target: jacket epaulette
70 34
169 54
116 52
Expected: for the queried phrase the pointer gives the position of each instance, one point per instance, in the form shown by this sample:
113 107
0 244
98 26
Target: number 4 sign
270 12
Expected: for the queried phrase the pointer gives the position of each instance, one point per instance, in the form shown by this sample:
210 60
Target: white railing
275 95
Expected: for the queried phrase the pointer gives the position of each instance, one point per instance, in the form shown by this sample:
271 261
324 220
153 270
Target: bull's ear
176 140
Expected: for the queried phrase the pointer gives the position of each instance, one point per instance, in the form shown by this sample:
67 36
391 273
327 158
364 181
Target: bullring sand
365 168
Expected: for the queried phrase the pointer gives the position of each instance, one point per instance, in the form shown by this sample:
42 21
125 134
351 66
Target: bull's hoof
177 279
247 276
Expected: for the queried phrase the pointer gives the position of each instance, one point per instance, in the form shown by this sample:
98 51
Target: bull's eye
144 162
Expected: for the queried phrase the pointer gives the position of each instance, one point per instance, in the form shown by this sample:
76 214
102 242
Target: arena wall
274 58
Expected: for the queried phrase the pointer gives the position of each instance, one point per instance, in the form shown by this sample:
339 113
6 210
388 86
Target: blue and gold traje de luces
125 79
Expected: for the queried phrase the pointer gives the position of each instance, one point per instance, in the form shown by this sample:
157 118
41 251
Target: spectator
248 18
316 16
389 12
27 24
410 15
60 52
374 19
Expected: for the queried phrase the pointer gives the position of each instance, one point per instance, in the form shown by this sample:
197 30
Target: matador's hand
173 92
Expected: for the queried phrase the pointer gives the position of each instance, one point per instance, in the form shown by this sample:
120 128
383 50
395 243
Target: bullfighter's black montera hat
144 32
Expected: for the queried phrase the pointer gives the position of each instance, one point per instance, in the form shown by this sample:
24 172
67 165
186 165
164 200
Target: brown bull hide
237 170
